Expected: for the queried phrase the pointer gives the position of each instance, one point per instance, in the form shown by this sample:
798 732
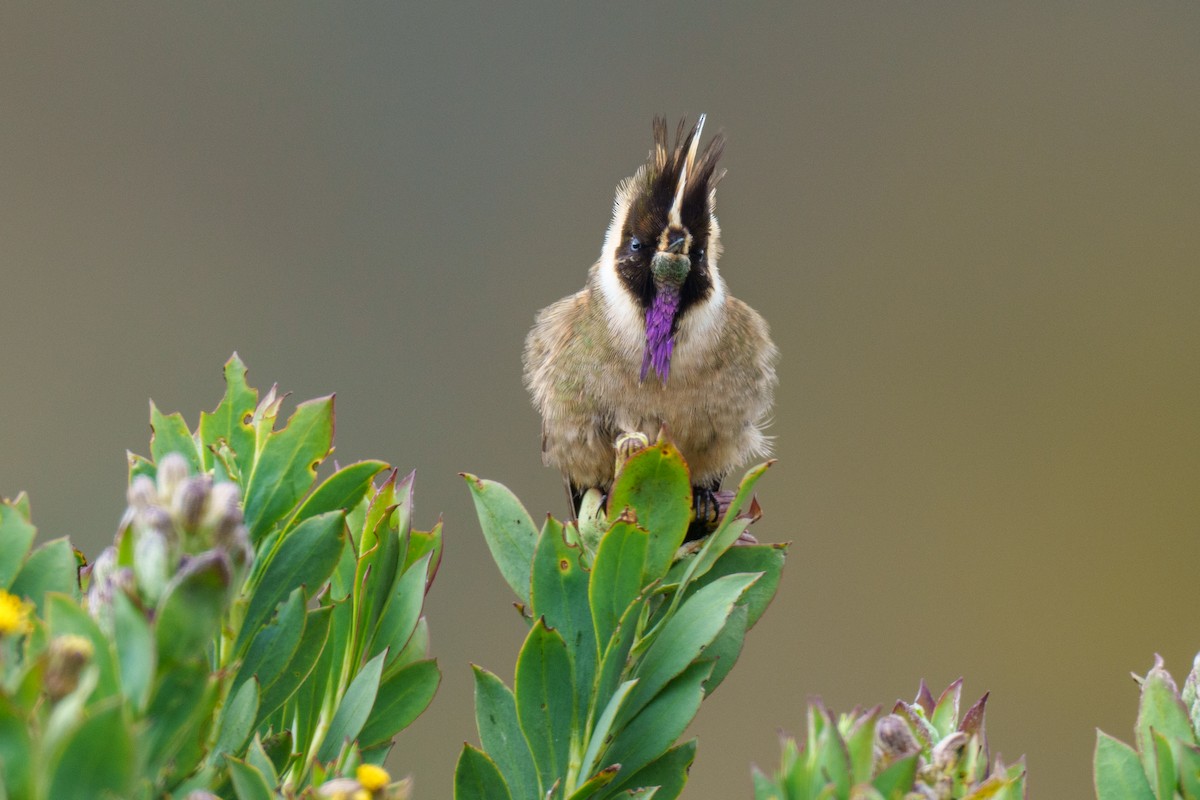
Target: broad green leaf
401 699
500 733
286 465
1117 772
416 649
896 780
660 723
422 542
273 647
508 530
668 772
269 757
354 709
1165 777
97 761
16 750
732 525
616 575
544 691
49 568
944 718
230 420
316 632
305 558
179 712
189 613
595 783
400 615
65 616
598 738
725 648
615 661
1187 761
376 575
476 777
341 491
654 484
765 558
248 782
170 434
684 636
136 653
1160 709
237 720
559 594
860 746
16 537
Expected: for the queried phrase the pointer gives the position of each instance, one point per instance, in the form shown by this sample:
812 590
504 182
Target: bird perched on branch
655 338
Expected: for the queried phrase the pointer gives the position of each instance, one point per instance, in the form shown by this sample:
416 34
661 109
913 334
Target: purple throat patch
660 318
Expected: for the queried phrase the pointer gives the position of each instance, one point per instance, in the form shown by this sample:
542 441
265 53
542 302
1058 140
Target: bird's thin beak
677 242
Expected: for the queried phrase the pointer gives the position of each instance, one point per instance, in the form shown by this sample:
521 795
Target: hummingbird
655 338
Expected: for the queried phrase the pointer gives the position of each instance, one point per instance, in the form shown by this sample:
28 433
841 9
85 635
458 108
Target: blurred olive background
973 229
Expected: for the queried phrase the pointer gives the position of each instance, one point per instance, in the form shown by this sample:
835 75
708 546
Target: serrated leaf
354 709
402 698
189 613
170 434
306 557
1117 772
97 760
49 568
684 636
508 530
136 652
229 421
248 782
16 537
500 733
476 777
657 726
617 575
654 483
286 465
560 596
545 701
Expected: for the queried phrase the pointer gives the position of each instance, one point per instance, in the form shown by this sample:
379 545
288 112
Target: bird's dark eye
700 254
635 244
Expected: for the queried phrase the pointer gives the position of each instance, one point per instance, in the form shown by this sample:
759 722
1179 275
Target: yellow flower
14 614
371 777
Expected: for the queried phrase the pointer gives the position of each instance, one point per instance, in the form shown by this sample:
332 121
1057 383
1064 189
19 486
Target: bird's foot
628 445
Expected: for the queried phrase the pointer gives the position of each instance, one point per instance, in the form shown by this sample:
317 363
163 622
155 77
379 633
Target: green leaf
179 711
401 699
944 718
16 756
476 777
595 783
270 756
765 558
286 465
170 434
1117 772
508 530
341 491
416 649
229 421
65 616
16 537
275 644
545 701
658 725
598 739
560 596
684 636
654 484
616 661
399 617
237 720
97 761
136 653
500 733
896 780
1187 761
353 710
306 558
248 782
50 568
1160 709
189 613
422 542
617 575
312 643
734 522
668 772
1165 777
860 745
725 648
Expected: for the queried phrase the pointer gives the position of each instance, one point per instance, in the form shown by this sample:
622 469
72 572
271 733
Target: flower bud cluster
170 519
